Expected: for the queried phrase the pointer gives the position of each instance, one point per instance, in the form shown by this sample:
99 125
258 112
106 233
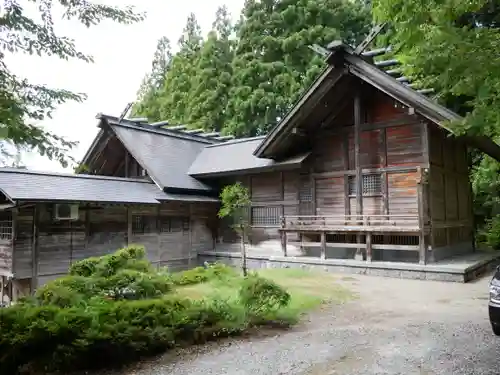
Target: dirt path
395 327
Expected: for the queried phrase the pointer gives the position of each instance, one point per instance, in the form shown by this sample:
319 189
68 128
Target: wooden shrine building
364 166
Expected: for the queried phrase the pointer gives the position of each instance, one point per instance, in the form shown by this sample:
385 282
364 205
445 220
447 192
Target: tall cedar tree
178 82
147 97
211 83
453 46
23 104
273 62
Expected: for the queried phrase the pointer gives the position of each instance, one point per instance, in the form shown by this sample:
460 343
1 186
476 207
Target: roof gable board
342 62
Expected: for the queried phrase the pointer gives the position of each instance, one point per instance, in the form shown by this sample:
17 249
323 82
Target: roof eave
233 172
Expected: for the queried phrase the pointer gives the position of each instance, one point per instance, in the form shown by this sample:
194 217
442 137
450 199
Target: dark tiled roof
165 158
165 153
236 156
25 185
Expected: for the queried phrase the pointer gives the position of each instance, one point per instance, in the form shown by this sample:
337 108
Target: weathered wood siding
113 159
172 234
391 146
450 197
23 242
6 243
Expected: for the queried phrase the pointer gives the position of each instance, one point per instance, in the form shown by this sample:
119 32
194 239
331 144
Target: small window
266 216
164 224
143 224
185 224
305 190
372 185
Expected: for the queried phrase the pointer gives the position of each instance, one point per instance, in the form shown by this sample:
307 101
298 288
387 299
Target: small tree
235 205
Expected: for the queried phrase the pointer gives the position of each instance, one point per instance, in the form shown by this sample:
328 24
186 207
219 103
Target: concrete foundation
457 269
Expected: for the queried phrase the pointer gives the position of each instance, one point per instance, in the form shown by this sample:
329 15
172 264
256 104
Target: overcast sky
122 55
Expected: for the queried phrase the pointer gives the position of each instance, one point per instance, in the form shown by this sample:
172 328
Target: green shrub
262 297
492 233
130 284
131 257
213 271
115 308
107 332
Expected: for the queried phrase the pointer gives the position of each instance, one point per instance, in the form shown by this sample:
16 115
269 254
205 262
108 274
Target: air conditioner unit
64 211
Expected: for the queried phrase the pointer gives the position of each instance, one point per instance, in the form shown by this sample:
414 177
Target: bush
492 233
131 257
213 271
49 337
115 308
262 297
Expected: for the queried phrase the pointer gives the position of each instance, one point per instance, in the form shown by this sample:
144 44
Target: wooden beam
323 245
129 226
368 247
34 249
421 187
352 172
357 163
127 164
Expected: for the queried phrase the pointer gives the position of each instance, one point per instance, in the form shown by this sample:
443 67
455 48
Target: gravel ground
395 327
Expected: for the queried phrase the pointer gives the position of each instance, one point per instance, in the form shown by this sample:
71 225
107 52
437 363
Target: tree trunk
243 253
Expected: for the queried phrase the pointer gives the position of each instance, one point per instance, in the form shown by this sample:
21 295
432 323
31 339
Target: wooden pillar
127 164
129 226
283 242
422 215
368 247
359 174
323 245
34 249
283 236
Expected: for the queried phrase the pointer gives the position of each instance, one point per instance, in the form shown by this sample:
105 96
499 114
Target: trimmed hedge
215 271
113 309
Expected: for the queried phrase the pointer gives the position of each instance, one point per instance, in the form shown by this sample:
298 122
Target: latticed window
142 224
305 190
372 185
266 216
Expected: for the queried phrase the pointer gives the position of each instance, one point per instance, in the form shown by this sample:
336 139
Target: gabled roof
36 186
237 156
345 62
25 185
165 155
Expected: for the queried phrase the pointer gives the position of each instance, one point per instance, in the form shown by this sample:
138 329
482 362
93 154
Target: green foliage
262 297
107 333
491 232
32 31
486 187
452 46
235 202
241 80
131 258
116 308
211 272
273 63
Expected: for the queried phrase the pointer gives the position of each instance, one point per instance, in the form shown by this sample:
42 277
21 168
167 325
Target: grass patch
308 289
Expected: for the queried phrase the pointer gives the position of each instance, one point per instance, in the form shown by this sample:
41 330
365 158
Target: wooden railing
351 223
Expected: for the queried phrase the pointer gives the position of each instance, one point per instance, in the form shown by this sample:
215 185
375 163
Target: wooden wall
391 147
113 159
6 236
172 233
450 197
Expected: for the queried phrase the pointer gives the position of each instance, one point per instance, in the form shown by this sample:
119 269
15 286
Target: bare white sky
122 55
